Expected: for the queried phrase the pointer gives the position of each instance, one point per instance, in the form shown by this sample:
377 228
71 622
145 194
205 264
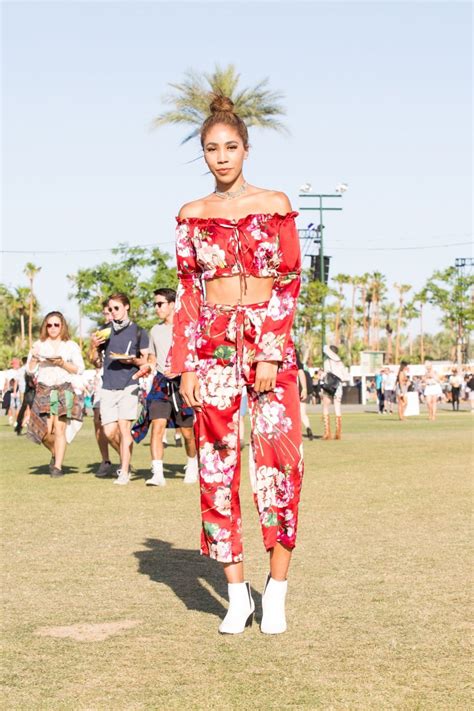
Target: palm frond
191 135
258 106
223 81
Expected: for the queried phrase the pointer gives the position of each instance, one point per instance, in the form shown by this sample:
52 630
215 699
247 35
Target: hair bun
221 104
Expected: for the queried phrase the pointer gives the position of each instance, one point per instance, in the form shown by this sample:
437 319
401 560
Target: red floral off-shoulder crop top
256 245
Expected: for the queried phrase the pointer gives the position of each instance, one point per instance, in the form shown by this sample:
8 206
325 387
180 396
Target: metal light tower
305 193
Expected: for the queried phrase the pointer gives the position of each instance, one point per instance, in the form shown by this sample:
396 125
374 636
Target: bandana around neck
120 325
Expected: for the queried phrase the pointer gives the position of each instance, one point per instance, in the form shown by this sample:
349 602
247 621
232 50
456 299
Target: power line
172 242
78 251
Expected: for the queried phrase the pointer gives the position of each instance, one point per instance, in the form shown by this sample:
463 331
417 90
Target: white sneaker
122 478
190 474
131 470
157 479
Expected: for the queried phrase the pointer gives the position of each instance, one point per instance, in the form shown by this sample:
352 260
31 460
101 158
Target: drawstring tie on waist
243 319
242 246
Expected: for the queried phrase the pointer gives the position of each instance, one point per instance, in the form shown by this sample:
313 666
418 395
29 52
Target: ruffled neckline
267 215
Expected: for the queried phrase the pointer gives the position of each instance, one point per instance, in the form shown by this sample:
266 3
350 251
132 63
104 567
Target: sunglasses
160 303
53 325
114 308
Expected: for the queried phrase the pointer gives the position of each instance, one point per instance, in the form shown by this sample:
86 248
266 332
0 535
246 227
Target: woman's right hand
34 357
189 390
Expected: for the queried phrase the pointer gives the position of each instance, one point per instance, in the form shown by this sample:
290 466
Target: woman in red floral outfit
239 277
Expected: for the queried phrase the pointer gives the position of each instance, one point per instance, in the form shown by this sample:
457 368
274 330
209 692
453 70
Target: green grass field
378 602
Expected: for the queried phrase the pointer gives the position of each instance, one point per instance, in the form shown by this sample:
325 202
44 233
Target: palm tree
31 270
402 290
411 313
365 301
341 280
421 299
388 311
257 106
354 281
377 291
22 297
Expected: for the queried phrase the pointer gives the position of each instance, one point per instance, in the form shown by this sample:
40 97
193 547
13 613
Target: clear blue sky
378 94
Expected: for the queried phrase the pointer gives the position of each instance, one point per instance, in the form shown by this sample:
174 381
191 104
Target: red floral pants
226 349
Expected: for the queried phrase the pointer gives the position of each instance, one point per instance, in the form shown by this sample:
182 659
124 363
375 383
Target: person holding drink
124 352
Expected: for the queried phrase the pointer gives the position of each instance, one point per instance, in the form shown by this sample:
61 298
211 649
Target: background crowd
127 390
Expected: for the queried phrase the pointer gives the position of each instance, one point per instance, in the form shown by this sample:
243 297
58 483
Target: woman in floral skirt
239 277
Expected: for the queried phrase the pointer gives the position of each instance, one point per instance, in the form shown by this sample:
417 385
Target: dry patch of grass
88 633
379 594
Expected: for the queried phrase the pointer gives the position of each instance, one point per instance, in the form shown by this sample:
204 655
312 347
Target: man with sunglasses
164 401
96 356
125 351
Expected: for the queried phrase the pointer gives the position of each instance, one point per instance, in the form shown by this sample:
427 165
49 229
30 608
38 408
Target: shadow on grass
188 574
42 469
92 467
173 470
170 471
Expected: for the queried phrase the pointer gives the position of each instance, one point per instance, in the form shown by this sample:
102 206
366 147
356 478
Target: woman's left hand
69 366
265 376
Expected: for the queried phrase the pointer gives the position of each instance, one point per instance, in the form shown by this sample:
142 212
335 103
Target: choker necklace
231 194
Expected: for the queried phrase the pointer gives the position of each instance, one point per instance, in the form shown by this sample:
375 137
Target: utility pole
321 208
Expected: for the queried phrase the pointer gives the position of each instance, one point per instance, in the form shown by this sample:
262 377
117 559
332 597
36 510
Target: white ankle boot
273 606
241 609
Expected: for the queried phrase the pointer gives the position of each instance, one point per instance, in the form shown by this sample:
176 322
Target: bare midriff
234 290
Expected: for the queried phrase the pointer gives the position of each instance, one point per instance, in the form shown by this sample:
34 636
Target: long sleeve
182 357
35 348
76 357
278 322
